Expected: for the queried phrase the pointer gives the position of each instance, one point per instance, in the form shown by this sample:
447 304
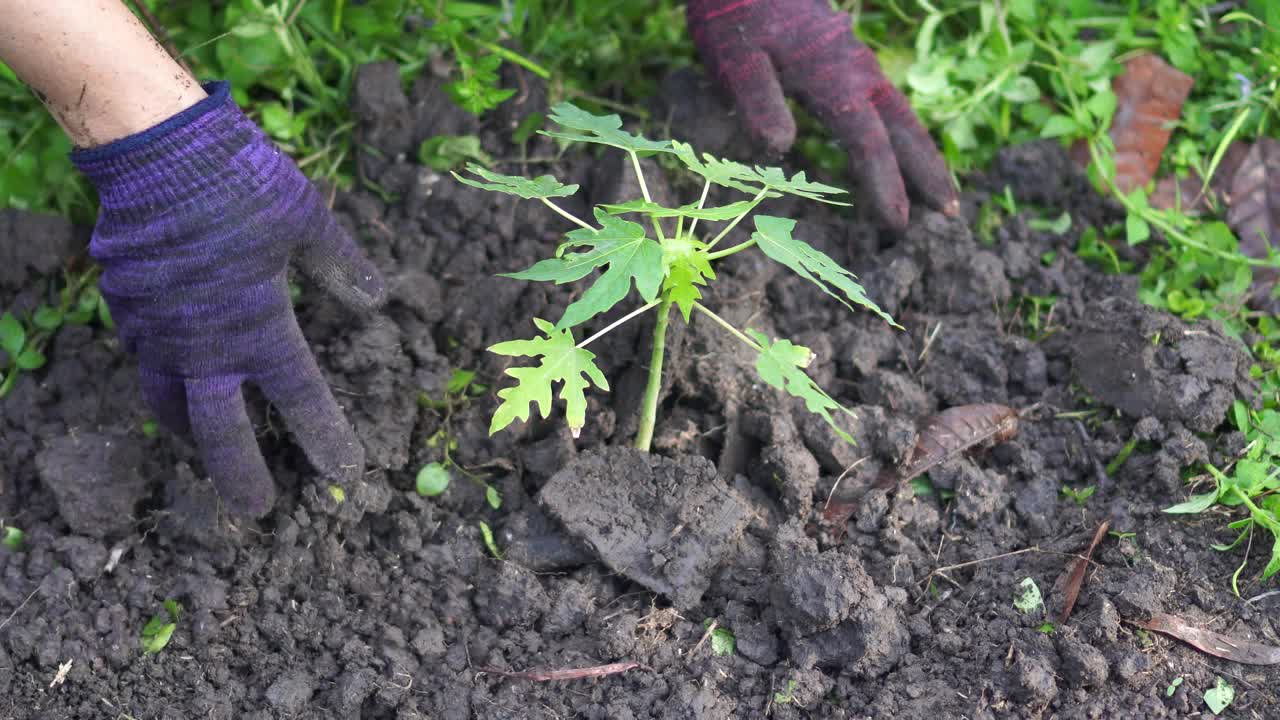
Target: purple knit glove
757 49
199 218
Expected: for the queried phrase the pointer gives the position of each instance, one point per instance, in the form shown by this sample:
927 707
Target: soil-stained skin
395 609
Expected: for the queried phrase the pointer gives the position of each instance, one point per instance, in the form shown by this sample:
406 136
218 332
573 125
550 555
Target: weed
1081 496
1173 687
158 630
433 478
723 641
786 697
666 272
1030 599
1219 696
11 537
446 152
24 340
487 535
1252 482
1047 628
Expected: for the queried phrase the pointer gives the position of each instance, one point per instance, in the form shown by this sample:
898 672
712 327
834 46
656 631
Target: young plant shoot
665 272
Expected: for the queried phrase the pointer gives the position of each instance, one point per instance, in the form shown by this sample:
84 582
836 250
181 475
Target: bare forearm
96 68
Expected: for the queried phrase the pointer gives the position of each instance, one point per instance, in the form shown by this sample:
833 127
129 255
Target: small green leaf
562 361
12 336
687 267
1136 229
175 609
724 212
432 480
1273 566
1197 504
11 538
1219 696
602 129
781 364
723 642
459 381
1058 126
30 359
489 542
47 318
492 497
149 428
338 494
1173 687
1030 598
1240 413
623 246
1047 628
444 152
545 186
773 236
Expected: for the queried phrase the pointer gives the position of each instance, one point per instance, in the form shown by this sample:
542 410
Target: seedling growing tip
664 271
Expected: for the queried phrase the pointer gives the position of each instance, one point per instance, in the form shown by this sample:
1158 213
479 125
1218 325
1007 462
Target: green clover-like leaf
782 363
537 188
600 129
563 362
773 237
620 244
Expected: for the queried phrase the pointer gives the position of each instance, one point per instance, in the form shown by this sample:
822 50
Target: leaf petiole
754 201
702 201
644 190
725 324
729 251
608 328
566 214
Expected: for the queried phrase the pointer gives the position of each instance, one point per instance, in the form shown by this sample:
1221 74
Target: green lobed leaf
724 212
773 237
620 244
601 129
781 364
545 186
563 362
752 180
687 267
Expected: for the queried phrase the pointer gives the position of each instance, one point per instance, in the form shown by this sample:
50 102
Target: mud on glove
757 49
199 217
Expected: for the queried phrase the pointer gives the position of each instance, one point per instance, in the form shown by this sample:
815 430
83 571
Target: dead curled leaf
1074 579
1238 650
952 432
1254 212
1149 97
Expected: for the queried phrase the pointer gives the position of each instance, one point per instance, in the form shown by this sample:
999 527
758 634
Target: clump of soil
393 608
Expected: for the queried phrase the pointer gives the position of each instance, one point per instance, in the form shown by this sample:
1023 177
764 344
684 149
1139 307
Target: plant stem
725 324
729 251
754 201
566 214
616 323
649 408
702 201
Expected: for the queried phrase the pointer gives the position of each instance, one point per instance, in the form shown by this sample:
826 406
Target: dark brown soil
393 608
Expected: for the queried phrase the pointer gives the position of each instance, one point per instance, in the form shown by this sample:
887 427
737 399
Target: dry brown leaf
1216 644
942 437
1254 212
1149 97
1075 579
952 432
568 673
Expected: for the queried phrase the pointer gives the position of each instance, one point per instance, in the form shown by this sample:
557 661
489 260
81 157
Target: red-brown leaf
1075 579
1254 211
952 432
1149 98
1216 644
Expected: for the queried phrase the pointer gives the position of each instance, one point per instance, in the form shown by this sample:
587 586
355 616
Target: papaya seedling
159 629
666 272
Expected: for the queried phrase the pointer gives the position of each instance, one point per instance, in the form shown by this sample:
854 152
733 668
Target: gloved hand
199 217
757 49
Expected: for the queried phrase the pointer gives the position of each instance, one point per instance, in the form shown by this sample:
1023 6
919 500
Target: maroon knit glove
757 49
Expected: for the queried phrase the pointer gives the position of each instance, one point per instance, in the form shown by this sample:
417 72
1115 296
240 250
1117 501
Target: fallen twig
568 673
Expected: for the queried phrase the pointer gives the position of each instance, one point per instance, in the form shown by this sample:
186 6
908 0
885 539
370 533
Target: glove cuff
209 149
